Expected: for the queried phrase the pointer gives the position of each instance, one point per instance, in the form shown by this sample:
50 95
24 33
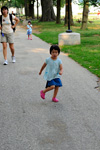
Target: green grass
87 53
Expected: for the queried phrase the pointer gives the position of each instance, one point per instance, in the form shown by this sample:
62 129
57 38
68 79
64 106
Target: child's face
54 53
29 23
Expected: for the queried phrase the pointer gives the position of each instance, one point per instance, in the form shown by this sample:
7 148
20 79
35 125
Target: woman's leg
5 50
11 45
55 91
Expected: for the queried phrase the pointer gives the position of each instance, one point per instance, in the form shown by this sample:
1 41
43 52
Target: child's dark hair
55 47
29 21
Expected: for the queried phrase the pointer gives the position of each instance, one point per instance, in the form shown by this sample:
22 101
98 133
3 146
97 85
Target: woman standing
7 33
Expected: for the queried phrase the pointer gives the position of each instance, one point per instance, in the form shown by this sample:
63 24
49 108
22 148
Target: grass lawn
87 53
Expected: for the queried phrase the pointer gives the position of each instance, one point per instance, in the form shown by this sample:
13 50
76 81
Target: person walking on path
7 35
13 21
54 70
29 30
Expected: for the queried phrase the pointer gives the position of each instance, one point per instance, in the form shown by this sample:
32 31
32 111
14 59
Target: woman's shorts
56 82
29 32
7 38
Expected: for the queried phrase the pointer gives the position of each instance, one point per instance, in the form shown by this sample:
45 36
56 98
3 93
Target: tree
58 11
58 4
85 14
66 13
31 8
16 3
86 4
2 2
26 11
47 11
62 3
37 9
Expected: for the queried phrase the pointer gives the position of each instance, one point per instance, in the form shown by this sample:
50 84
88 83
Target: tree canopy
62 3
13 3
91 2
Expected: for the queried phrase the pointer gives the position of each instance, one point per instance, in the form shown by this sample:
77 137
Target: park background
87 53
76 9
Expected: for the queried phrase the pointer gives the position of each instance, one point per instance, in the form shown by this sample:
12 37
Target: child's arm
61 69
27 27
42 68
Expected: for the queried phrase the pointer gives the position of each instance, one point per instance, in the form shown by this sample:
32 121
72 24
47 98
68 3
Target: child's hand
60 72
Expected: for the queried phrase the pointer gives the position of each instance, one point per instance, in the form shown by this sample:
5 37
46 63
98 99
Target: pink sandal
54 99
42 94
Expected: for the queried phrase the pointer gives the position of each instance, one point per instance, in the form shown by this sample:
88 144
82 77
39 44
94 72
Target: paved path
29 123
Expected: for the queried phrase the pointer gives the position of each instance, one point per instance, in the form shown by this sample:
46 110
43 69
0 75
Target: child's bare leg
49 89
31 36
55 91
42 93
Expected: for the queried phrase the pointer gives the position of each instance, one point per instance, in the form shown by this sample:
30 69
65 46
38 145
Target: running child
29 30
53 71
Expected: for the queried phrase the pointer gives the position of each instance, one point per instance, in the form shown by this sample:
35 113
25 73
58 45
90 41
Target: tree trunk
27 9
25 1
66 13
47 11
85 14
37 9
58 11
31 9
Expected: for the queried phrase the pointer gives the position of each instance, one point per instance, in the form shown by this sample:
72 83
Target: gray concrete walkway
29 123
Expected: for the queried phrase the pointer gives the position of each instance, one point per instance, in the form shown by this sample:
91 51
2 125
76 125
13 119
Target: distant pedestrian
13 13
29 30
13 21
7 32
54 70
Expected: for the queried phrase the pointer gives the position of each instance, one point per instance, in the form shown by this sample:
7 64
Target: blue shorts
56 82
29 32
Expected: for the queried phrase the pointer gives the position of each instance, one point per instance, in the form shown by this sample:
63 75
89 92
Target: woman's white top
6 24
